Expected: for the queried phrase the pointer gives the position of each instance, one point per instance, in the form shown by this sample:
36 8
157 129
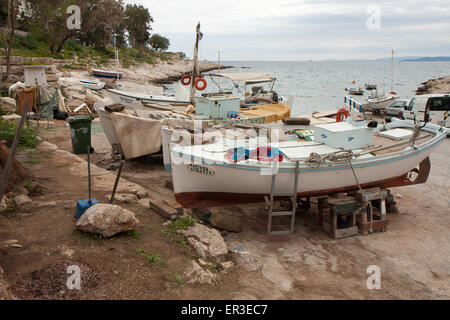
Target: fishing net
47 100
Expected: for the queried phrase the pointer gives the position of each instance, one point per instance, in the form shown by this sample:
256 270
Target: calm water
319 86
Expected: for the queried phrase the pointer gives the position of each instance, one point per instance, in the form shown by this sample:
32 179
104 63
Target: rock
66 251
207 242
227 265
197 274
8 104
202 214
9 243
125 197
46 146
224 220
142 194
21 200
107 220
144 202
3 205
35 189
5 293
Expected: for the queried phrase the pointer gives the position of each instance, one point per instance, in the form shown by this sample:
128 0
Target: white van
430 108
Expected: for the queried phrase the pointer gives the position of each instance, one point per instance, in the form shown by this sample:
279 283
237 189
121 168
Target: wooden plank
163 209
346 232
324 114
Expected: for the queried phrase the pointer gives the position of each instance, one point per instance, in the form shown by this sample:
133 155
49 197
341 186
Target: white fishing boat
85 83
93 85
377 99
136 100
203 176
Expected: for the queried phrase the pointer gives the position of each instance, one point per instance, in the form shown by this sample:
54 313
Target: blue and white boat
99 73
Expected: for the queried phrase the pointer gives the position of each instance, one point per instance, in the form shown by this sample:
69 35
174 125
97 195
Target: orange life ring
184 78
200 88
341 112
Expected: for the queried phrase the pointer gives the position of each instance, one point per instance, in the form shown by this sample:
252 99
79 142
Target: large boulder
107 220
8 104
207 242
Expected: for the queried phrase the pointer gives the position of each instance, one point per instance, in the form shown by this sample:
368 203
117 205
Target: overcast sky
304 29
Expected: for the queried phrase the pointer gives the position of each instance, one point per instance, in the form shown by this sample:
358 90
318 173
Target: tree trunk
13 8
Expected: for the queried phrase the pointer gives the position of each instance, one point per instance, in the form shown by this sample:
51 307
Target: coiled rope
315 160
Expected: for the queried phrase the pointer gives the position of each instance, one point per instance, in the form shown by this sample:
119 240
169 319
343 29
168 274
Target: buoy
198 87
340 113
186 80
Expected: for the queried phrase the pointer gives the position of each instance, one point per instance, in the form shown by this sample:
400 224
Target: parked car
430 108
395 109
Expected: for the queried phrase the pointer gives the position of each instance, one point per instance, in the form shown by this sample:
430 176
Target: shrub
28 138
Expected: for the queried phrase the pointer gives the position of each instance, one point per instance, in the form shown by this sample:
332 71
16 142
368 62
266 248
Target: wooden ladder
291 213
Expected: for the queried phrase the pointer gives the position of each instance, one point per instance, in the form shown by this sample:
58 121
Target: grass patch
213 267
28 139
178 279
27 184
182 224
33 161
140 251
155 258
134 233
171 229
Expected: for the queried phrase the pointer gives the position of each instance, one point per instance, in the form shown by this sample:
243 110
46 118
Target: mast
195 71
220 78
116 53
392 73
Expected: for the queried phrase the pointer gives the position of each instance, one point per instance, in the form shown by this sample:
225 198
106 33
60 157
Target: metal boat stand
291 213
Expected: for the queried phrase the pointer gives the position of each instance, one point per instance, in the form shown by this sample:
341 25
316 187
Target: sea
320 86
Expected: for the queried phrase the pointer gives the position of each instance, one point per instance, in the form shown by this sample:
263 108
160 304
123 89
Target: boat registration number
201 169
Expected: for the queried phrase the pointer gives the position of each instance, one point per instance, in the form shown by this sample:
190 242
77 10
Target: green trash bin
80 132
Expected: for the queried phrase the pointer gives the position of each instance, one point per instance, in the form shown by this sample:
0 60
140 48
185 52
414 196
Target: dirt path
413 255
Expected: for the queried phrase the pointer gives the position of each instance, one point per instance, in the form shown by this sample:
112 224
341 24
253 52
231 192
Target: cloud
303 30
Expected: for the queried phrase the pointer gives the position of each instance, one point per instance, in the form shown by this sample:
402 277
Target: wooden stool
341 209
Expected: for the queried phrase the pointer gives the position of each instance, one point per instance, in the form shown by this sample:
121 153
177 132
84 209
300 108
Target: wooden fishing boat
99 73
136 101
204 176
93 85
